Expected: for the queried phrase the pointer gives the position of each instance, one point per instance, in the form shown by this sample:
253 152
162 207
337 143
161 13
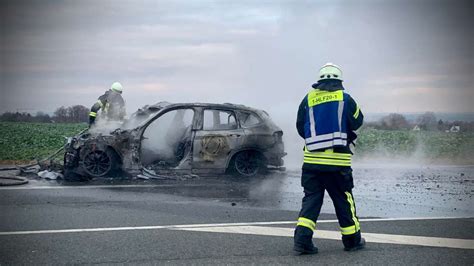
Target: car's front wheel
99 163
247 163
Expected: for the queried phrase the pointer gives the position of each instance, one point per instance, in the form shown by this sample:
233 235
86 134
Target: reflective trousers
339 186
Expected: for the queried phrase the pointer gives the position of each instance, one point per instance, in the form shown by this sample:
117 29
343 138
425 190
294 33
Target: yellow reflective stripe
93 114
306 223
354 218
301 219
327 152
316 97
328 158
100 103
327 161
356 114
328 155
350 230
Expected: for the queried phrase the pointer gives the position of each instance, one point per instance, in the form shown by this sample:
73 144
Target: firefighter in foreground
111 103
327 118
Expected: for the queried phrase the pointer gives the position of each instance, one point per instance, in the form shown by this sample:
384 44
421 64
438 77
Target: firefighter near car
327 118
111 103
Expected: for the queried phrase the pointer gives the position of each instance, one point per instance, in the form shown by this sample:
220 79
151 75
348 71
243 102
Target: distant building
454 129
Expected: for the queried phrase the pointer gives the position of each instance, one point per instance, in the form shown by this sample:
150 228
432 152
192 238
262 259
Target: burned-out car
183 138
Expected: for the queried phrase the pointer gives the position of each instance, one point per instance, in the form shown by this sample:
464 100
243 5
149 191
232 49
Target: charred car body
185 138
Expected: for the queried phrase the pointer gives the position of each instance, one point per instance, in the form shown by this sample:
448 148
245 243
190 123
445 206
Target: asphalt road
207 221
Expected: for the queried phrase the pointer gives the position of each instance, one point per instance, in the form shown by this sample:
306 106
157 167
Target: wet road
194 221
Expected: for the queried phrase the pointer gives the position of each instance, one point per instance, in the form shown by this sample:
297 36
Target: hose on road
12 180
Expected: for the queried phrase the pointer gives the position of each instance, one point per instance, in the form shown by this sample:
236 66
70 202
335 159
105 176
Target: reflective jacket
327 120
112 105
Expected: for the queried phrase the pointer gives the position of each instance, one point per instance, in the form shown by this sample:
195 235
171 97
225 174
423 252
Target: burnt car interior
219 120
167 139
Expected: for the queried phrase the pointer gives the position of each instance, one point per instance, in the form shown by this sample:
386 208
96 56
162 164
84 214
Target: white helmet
117 87
330 71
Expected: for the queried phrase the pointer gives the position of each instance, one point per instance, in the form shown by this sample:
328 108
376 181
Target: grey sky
397 56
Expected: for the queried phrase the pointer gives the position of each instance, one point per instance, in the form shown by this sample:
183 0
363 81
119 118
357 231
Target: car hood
137 119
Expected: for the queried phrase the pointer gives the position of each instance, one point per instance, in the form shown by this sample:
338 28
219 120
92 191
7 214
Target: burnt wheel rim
247 164
97 163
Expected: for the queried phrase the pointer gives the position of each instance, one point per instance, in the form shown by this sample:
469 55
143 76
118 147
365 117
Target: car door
167 140
218 136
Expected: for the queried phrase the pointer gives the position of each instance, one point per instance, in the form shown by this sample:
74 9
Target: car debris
51 175
185 139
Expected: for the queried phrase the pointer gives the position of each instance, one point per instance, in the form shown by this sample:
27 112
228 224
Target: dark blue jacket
326 120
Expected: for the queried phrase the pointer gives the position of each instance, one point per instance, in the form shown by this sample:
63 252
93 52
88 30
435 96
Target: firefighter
327 119
111 103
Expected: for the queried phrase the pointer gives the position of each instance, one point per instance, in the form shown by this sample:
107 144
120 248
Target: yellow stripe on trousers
356 226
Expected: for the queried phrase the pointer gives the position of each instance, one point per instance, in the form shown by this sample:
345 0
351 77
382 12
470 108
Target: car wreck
180 138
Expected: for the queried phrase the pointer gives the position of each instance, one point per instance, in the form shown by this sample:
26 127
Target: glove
351 137
91 120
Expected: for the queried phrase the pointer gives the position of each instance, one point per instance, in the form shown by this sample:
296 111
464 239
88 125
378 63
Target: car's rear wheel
247 163
99 163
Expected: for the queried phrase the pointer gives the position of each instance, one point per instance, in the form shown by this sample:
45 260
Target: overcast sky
397 56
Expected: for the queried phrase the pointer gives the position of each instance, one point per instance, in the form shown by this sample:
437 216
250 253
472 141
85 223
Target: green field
408 144
29 141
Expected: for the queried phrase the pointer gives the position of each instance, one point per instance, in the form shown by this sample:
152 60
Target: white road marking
335 235
255 229
154 227
87 186
83 230
130 228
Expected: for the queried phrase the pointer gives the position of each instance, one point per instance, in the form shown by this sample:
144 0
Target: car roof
219 105
148 110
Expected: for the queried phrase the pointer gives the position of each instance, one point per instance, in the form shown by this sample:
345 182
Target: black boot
304 241
353 242
360 245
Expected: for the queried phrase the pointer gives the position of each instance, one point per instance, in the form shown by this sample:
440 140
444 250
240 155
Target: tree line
71 114
426 121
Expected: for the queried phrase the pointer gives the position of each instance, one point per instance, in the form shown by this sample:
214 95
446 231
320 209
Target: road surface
408 216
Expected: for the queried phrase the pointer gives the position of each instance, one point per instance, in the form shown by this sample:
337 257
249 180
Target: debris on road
150 174
51 175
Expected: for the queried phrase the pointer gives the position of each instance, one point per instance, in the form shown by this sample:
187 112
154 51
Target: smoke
161 139
105 123
104 126
294 144
165 139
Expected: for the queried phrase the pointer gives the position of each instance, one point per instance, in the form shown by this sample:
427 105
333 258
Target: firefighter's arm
94 109
301 117
355 116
